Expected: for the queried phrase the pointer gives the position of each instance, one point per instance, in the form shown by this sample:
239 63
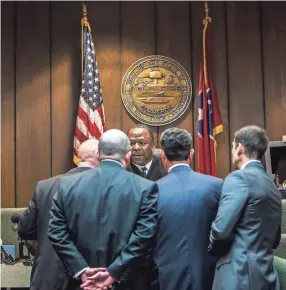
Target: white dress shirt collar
179 164
148 165
249 161
111 160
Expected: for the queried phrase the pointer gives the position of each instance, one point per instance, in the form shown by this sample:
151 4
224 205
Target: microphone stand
21 252
27 261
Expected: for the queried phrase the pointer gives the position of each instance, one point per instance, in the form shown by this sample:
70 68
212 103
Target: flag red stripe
100 112
79 135
74 151
92 127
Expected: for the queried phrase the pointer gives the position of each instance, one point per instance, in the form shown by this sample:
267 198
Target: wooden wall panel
274 60
106 37
174 41
220 76
33 138
7 104
245 65
137 41
65 81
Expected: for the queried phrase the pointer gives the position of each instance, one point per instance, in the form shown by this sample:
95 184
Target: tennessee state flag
209 119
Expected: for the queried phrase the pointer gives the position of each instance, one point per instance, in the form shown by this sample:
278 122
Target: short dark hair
254 140
176 143
142 126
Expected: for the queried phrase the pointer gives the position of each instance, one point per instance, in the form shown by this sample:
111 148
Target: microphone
15 218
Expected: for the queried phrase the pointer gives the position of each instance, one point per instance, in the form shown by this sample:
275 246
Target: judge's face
141 146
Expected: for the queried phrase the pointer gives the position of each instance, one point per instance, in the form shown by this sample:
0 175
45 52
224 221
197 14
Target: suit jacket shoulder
74 178
44 186
205 182
236 180
49 181
48 186
46 183
209 179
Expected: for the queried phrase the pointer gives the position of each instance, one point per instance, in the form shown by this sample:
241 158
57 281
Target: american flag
209 119
90 123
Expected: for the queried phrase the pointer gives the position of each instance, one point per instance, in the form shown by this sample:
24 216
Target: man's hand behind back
96 279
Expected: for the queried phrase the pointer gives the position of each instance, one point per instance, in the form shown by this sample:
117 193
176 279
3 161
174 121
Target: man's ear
97 157
163 155
191 156
127 158
240 149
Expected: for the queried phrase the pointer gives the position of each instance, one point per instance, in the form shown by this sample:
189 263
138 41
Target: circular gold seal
156 90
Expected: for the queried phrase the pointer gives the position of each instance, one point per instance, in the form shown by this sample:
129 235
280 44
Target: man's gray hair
113 144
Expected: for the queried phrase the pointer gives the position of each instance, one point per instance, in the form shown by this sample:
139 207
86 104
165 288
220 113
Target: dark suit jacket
155 172
48 272
106 217
187 205
248 221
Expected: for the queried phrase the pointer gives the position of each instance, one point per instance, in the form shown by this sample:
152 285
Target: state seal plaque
156 90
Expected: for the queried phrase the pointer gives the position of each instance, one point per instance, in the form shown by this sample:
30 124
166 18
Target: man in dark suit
187 205
247 226
143 161
105 218
48 272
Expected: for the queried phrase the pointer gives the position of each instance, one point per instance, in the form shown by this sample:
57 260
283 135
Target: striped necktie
144 171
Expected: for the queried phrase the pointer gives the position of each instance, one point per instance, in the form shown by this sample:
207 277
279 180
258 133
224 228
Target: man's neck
85 164
245 161
173 163
120 162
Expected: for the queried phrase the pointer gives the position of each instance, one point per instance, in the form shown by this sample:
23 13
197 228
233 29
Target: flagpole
206 21
83 22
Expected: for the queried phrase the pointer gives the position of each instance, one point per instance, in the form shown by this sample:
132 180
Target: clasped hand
96 279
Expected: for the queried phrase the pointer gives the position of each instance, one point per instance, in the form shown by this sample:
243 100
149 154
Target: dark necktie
144 171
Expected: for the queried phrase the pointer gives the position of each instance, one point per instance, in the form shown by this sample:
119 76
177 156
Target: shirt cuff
76 276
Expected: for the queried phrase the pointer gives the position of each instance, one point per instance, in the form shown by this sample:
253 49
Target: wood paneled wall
41 74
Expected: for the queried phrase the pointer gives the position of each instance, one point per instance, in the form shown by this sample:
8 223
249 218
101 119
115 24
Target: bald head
113 144
87 153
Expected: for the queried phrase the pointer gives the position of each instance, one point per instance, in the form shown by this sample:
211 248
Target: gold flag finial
207 8
84 10
84 21
207 19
